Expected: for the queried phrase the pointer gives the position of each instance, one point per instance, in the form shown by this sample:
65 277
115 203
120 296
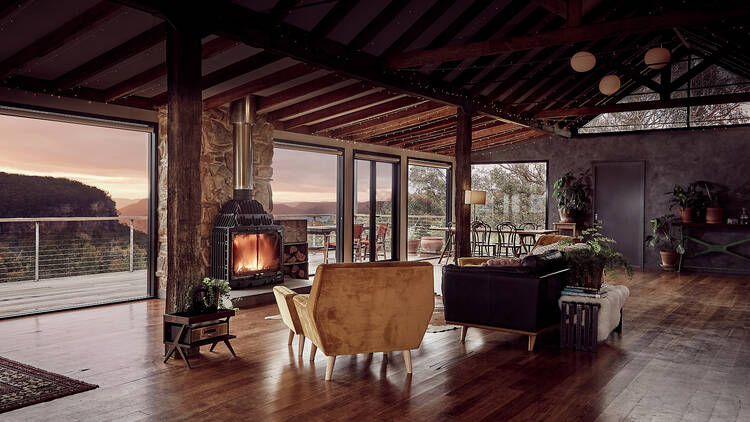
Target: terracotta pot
668 259
687 215
567 216
714 215
412 245
594 280
431 244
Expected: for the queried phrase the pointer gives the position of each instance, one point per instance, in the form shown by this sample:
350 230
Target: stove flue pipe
242 116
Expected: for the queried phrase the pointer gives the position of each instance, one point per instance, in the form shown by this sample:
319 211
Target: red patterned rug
23 385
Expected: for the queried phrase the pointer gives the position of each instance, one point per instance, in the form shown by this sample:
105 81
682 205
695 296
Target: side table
186 331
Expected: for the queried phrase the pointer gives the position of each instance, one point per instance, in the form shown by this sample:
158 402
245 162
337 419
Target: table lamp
475 197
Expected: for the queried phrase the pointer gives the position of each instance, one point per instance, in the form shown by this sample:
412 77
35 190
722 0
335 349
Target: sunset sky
116 161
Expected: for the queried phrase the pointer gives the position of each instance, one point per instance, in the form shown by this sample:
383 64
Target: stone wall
216 170
672 156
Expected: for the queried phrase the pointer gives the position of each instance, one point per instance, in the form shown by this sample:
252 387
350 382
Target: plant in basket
207 296
664 238
588 264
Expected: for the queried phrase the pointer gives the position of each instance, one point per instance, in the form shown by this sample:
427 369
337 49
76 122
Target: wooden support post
183 154
463 181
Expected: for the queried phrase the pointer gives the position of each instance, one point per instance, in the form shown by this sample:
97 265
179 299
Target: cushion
540 249
503 262
574 246
544 263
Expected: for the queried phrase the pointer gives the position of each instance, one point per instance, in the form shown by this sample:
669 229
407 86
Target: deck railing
71 246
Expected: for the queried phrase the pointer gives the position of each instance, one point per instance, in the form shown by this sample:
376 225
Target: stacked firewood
295 271
294 254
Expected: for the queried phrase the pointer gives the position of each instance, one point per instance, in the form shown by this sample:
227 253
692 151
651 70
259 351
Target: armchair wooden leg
464 329
313 349
532 340
291 337
329 367
301 344
407 360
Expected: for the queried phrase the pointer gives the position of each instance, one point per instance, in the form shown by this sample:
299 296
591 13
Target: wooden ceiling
385 72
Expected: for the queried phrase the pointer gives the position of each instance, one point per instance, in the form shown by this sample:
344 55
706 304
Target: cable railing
38 248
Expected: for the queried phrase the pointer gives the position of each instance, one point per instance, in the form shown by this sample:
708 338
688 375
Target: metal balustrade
28 253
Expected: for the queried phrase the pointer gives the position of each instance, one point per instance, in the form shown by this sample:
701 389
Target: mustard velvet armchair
284 296
367 308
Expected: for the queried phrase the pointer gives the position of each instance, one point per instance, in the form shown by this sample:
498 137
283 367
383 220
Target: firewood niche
295 253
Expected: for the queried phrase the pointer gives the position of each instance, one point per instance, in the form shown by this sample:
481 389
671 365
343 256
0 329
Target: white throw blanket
609 310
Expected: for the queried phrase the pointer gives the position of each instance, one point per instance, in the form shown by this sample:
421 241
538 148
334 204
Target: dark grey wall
675 156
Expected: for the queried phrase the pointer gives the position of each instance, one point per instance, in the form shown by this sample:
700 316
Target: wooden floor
51 294
684 355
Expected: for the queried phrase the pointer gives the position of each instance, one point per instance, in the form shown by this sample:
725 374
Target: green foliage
663 237
427 191
207 296
691 196
516 192
572 193
588 263
714 193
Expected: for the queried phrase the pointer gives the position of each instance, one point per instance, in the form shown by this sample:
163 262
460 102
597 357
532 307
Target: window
516 193
428 207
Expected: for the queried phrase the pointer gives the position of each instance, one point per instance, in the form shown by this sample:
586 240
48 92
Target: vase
567 216
714 215
668 260
431 244
412 246
687 215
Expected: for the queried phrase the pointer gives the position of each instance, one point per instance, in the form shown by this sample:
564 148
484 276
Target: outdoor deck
27 297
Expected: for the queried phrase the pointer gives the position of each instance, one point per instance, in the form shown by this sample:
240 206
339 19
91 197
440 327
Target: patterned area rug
23 385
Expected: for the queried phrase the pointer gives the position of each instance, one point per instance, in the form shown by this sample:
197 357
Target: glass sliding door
306 185
375 209
428 207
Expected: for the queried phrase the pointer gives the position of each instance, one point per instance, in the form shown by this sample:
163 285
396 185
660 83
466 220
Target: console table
688 234
184 332
568 229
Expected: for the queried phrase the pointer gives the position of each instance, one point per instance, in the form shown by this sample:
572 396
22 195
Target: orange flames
255 252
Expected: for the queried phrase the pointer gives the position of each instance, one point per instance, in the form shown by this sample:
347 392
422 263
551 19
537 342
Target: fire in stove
255 252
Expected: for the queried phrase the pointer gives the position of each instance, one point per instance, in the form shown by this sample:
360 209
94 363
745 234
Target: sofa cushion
502 262
538 250
544 263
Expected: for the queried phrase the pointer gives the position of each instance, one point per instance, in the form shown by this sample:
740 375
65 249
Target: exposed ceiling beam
251 87
56 38
9 6
647 105
392 121
234 21
45 87
287 97
112 57
476 134
130 85
410 133
365 113
332 18
417 28
565 36
386 16
322 101
342 108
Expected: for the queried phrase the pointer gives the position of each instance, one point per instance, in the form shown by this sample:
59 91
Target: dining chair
527 240
380 239
358 241
481 234
449 243
506 239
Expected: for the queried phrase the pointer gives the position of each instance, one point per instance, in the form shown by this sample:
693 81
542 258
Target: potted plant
207 296
714 210
687 200
663 238
572 194
589 264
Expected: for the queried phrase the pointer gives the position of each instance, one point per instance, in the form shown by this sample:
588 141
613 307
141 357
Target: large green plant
691 196
587 263
663 236
572 193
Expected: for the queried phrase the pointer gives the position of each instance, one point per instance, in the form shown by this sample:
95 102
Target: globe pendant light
609 84
582 61
657 58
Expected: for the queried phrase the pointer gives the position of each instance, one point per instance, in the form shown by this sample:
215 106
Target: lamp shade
582 61
609 84
475 197
656 58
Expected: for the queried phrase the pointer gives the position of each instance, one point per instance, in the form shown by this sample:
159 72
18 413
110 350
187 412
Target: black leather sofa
517 299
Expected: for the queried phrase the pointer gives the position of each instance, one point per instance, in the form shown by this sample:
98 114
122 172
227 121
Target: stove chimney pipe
242 116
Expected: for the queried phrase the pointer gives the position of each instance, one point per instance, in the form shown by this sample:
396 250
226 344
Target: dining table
326 232
522 233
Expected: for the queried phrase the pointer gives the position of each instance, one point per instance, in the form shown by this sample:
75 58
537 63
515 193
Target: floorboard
684 355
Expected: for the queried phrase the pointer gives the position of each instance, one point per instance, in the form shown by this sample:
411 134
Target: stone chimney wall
216 170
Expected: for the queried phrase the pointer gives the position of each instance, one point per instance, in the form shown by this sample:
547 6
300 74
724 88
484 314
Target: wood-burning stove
246 245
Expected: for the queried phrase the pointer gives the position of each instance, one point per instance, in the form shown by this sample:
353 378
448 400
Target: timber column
462 211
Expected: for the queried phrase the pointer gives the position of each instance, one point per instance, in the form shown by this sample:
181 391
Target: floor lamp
475 197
